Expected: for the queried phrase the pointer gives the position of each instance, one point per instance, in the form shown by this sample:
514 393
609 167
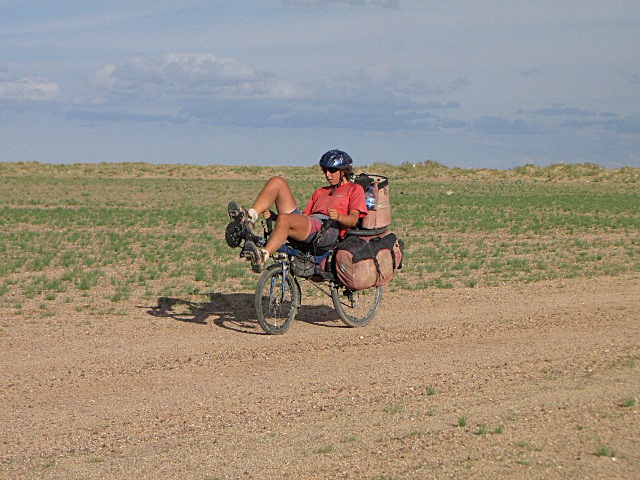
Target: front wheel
277 300
356 309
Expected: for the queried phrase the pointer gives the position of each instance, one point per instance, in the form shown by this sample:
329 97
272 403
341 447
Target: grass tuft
134 232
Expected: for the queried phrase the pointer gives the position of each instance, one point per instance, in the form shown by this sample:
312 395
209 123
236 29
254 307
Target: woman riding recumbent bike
302 245
278 293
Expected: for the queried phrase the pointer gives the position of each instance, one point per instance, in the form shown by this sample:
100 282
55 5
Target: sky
469 84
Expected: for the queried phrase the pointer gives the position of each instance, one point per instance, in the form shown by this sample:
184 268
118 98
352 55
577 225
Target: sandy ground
533 381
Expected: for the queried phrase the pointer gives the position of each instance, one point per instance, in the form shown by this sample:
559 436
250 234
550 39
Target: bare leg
275 191
294 225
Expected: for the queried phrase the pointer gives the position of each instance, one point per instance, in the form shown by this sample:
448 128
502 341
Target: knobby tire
356 309
276 308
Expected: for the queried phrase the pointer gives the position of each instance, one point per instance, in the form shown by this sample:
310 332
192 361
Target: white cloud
192 74
105 77
398 82
27 88
224 91
197 68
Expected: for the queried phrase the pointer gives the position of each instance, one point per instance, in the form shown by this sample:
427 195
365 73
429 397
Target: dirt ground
531 381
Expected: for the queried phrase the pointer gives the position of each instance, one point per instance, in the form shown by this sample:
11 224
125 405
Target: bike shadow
233 311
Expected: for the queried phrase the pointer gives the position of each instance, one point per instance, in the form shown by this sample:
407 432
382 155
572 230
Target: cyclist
341 200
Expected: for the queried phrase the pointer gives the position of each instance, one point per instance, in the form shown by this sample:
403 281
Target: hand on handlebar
333 214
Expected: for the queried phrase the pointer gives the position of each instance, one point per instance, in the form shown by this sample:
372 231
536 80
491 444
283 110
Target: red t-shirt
348 196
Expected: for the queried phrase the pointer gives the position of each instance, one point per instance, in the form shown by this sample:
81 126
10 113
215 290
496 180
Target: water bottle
370 198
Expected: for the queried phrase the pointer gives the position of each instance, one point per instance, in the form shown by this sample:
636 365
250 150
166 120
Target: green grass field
90 233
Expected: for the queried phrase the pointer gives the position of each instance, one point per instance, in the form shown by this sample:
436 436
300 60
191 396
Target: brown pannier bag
363 262
380 215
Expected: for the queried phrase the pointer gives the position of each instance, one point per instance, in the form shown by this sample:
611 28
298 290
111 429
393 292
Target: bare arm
348 221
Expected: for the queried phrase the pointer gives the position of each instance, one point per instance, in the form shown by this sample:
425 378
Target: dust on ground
524 381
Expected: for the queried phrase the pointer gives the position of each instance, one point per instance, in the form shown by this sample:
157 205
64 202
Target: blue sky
472 84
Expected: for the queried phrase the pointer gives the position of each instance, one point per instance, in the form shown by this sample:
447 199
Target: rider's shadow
234 311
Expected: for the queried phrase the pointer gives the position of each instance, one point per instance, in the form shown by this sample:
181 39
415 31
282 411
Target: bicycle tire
365 233
359 307
276 307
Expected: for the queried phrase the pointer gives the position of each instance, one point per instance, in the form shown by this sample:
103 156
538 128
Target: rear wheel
356 309
355 232
277 300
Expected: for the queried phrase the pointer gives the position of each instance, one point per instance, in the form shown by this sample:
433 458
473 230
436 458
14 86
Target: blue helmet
336 159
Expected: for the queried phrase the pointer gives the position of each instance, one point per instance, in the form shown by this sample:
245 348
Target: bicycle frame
278 293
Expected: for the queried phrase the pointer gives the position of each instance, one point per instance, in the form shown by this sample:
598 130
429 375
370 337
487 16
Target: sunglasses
330 170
